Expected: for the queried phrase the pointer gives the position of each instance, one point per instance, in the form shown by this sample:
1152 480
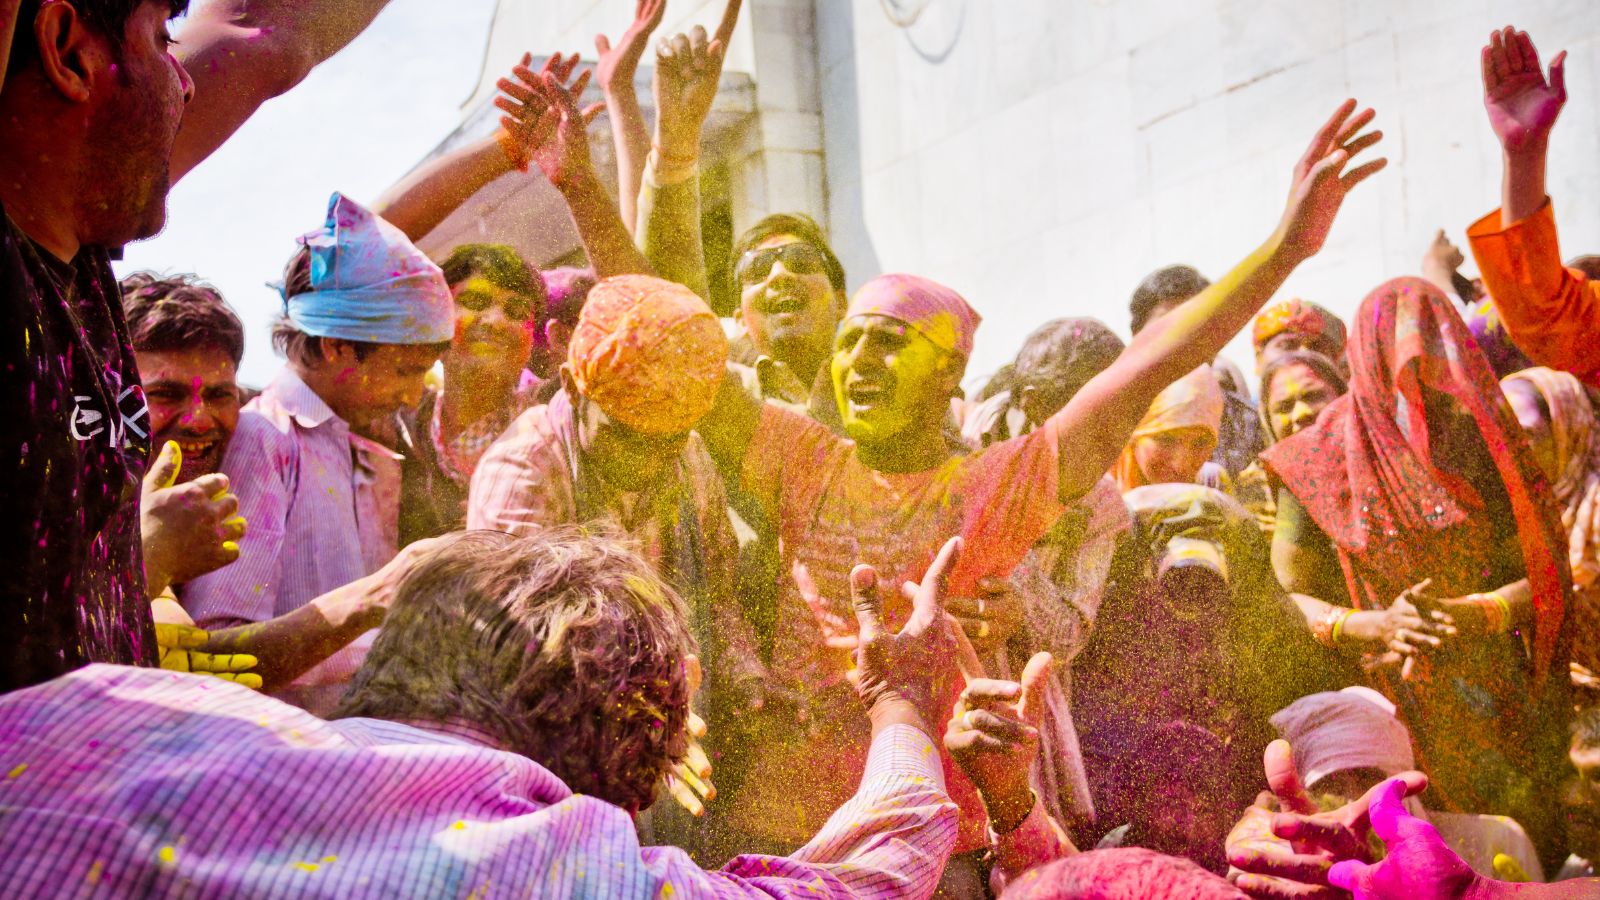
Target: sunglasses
516 306
798 257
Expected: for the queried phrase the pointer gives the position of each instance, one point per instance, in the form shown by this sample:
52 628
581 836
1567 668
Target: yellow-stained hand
689 782
178 644
186 529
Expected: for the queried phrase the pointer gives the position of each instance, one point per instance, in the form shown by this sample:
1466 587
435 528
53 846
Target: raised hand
187 529
563 154
1418 863
1522 105
619 64
1284 848
535 127
688 70
179 645
993 735
916 664
1321 179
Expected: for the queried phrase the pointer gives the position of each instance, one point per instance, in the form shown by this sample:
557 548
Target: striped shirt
116 781
322 507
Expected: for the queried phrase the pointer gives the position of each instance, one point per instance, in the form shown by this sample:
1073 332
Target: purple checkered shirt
117 781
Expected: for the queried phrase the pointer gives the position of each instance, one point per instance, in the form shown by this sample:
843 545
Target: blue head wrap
370 283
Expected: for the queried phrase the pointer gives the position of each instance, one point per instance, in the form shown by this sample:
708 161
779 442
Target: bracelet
1330 625
1496 611
514 154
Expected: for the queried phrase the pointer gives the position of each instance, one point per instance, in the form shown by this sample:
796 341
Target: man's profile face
139 102
390 378
194 401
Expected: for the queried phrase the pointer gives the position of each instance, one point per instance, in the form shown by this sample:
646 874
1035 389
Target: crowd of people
501 555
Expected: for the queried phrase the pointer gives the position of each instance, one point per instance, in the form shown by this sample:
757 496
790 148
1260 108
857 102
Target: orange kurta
1550 311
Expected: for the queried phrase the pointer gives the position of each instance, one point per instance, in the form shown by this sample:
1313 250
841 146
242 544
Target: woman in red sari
1417 533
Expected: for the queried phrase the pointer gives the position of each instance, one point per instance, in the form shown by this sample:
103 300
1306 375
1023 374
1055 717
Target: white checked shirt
321 507
124 782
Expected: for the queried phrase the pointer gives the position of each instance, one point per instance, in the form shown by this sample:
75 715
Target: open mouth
197 449
783 302
864 394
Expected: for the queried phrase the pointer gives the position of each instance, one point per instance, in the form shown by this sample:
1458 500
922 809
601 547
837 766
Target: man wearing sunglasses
791 297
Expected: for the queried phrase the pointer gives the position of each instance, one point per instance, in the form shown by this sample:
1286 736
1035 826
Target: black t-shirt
74 443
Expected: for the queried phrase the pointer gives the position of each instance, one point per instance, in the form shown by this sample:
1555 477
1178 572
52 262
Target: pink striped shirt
322 507
117 781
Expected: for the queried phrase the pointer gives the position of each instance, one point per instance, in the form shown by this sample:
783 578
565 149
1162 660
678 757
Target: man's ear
71 55
569 384
337 353
556 333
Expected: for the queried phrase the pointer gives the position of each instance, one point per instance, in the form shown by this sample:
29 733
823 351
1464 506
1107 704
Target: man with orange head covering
614 446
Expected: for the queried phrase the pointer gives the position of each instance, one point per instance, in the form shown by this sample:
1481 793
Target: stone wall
1041 156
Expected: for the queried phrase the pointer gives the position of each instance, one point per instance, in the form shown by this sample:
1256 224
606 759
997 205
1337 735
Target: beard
130 174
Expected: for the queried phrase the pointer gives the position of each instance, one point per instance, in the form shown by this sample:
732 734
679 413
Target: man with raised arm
1551 312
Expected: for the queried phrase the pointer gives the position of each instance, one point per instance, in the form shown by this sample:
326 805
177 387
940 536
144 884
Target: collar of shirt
296 398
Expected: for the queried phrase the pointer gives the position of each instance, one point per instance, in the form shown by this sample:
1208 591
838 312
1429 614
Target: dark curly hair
564 645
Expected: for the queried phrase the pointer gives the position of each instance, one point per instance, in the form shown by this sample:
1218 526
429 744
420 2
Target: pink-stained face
1174 456
1295 398
194 401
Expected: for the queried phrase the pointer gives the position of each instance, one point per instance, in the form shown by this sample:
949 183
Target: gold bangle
1338 626
1496 612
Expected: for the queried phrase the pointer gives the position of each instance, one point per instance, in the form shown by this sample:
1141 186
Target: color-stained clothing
832 511
322 505
436 473
1552 312
1300 317
75 447
148 783
532 478
1488 714
1575 439
934 311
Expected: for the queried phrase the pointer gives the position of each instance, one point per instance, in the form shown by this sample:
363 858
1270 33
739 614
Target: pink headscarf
935 311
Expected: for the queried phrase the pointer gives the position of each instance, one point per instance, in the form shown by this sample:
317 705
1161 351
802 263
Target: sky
358 123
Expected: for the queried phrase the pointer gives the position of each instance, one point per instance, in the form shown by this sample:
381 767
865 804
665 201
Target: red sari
1365 475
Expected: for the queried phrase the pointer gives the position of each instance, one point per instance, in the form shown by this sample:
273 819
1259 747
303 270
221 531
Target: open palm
1522 104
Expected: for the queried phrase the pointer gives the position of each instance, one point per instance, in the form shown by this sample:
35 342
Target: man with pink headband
890 491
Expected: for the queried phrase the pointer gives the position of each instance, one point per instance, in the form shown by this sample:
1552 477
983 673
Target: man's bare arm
1095 425
242 53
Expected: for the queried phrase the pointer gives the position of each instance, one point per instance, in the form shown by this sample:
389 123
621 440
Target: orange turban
650 352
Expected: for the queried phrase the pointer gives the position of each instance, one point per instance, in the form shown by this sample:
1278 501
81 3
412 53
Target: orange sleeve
782 438
1551 312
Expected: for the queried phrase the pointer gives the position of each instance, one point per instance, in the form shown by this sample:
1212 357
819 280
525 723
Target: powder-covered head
370 283
649 352
1318 328
1354 728
935 311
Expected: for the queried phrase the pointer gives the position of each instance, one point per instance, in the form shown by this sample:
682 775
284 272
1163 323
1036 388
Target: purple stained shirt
73 448
128 782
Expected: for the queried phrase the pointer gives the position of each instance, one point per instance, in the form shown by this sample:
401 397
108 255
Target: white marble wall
1042 156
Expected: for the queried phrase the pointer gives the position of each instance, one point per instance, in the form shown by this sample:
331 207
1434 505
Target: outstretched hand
1522 105
689 781
179 647
523 126
619 64
688 70
915 665
1322 179
1284 847
993 735
186 529
1418 862
542 115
